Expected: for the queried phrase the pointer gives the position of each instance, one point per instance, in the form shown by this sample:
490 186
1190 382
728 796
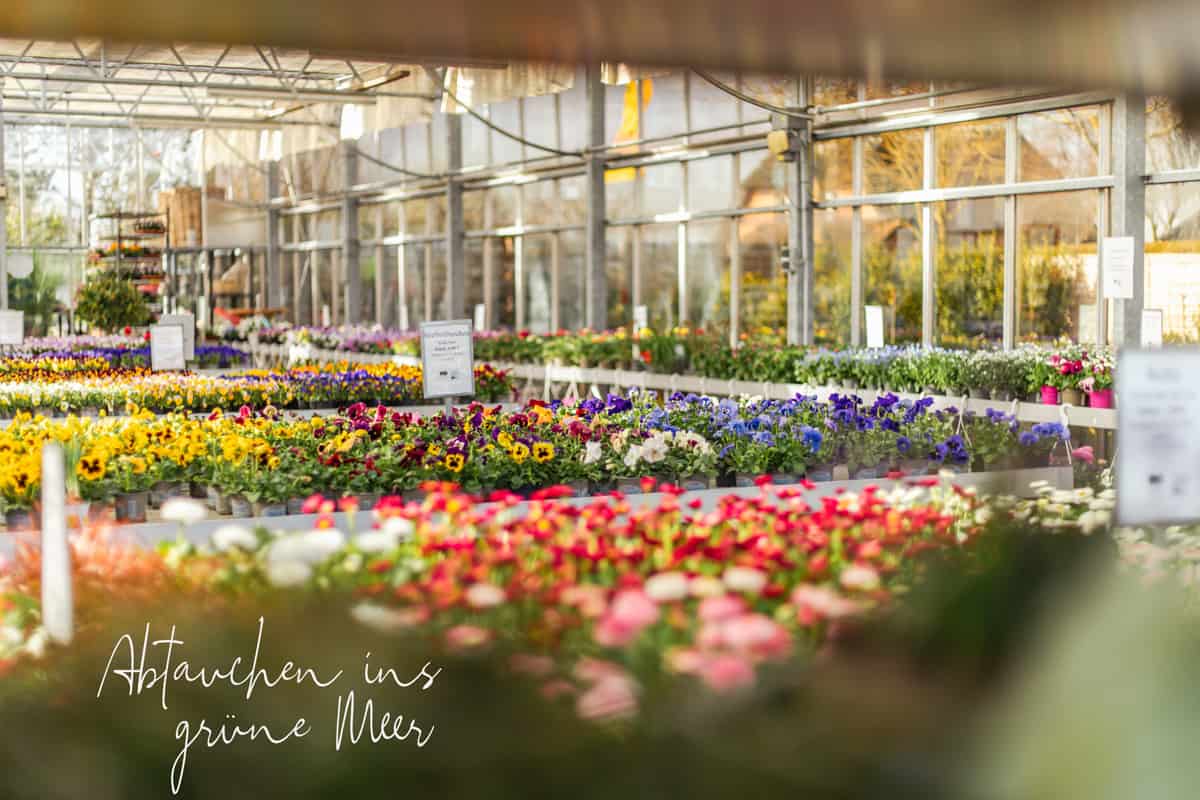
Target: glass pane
437 141
473 210
473 265
834 91
662 188
435 276
506 115
663 113
708 274
412 295
619 275
620 193
660 274
831 264
764 285
895 89
390 283
504 205
1168 144
893 161
416 147
503 253
833 169
1058 144
475 141
540 124
710 106
572 285
762 181
573 114
414 216
710 181
892 269
572 199
536 255
542 206
779 90
970 153
970 272
1056 266
1173 258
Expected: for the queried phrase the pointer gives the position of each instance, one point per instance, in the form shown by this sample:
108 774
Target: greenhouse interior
542 399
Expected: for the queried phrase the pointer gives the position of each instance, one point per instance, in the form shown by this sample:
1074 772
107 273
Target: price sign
1156 470
166 348
448 358
188 323
12 327
641 317
874 326
1118 267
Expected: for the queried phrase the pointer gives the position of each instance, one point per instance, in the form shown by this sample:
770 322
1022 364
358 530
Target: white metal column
596 279
928 246
456 268
1011 303
1129 208
351 272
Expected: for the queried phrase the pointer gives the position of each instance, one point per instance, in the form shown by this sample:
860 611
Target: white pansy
592 452
228 537
310 547
706 586
183 510
287 574
1091 521
667 586
654 449
632 456
744 579
860 578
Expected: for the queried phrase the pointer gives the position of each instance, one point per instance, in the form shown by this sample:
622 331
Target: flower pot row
1097 398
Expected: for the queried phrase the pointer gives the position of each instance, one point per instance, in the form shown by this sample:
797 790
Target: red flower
146 336
646 356
128 331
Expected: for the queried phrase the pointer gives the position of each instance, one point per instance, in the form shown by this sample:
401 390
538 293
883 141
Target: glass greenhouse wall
973 216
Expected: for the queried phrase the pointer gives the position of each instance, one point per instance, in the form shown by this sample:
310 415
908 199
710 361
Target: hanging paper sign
874 325
1152 327
641 318
12 327
1118 267
188 323
480 317
448 358
166 348
1157 480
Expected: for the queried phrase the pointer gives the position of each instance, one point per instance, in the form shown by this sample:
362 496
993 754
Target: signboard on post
12 327
874 326
448 358
1118 267
1157 477
166 348
188 323
1152 327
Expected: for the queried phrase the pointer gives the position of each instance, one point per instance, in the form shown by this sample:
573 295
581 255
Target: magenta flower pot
1049 396
1101 398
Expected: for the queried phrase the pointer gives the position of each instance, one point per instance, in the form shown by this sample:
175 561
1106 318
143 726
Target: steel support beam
456 266
928 247
3 212
1128 215
1012 157
351 266
596 279
274 296
800 232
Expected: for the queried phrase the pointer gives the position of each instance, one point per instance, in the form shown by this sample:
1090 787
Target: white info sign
448 358
874 326
188 323
1152 327
1118 267
1158 466
12 327
166 348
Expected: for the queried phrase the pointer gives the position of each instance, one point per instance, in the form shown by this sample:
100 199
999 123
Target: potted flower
1098 381
692 461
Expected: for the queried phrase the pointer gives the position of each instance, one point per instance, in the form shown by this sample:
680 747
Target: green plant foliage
109 302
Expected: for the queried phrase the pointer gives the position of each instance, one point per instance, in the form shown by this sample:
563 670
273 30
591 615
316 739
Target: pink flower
461 638
819 602
722 607
527 664
667 586
629 614
745 579
684 660
591 600
594 670
484 595
1084 454
611 698
557 688
856 577
711 637
728 672
757 635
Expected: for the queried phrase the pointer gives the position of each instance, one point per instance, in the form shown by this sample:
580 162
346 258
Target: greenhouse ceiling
1133 44
193 86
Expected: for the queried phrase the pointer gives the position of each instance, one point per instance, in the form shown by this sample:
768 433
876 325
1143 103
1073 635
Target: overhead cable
754 101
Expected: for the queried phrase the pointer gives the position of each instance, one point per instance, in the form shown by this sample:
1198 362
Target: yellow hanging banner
631 125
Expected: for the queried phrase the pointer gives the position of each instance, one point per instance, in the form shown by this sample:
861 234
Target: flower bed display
989 374
262 463
42 388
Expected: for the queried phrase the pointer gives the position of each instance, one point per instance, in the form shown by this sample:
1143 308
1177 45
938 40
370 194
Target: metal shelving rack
130 266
